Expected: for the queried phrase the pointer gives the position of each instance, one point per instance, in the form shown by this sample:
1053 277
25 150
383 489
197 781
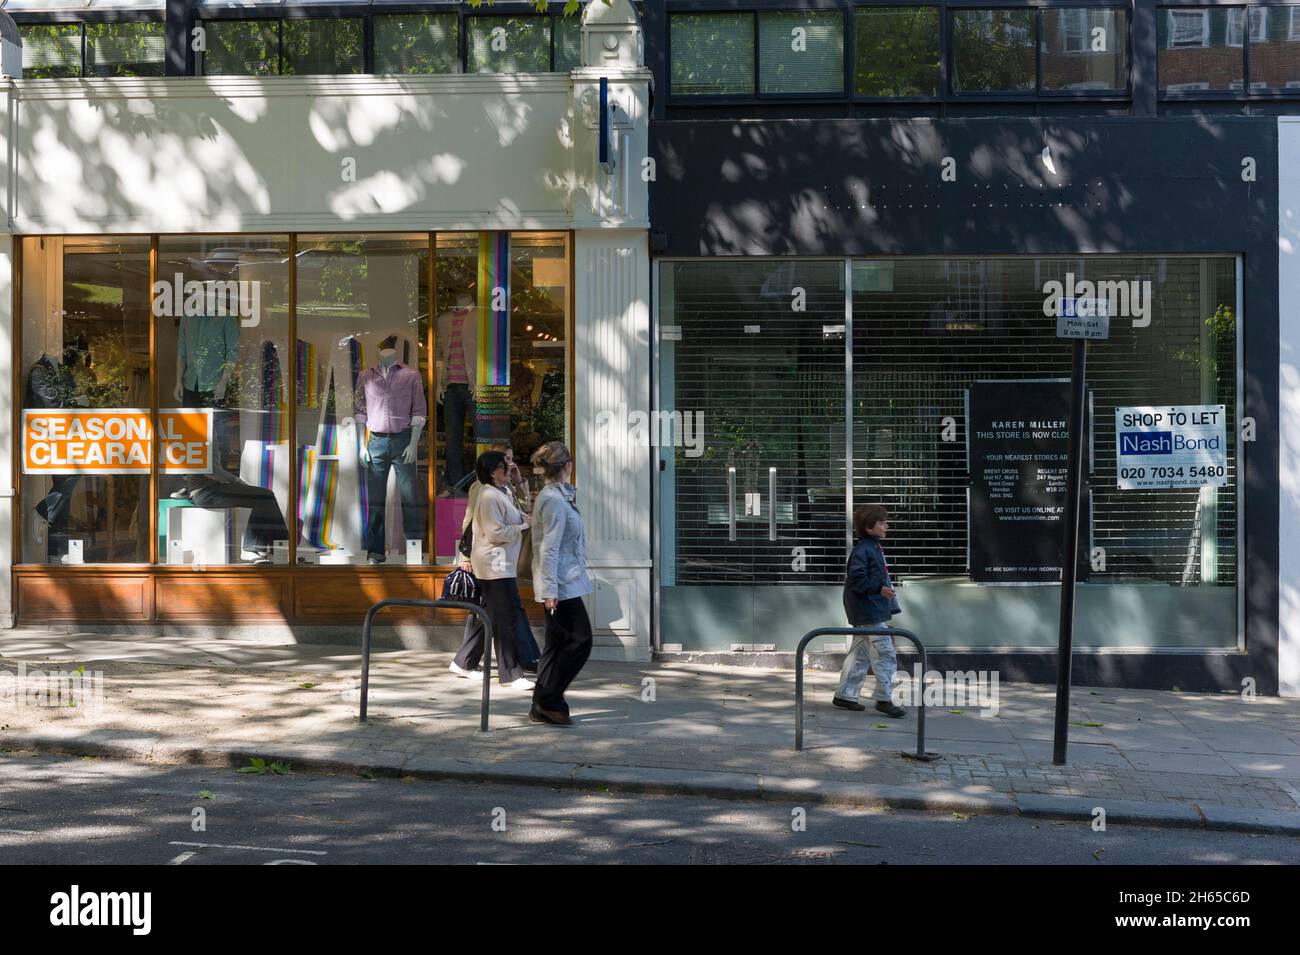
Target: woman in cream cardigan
498 529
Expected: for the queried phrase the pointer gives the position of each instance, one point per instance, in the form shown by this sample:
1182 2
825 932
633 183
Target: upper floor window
993 51
297 47
1084 48
1275 58
51 50
124 48
1188 28
417 43
896 51
801 52
711 53
1204 48
508 44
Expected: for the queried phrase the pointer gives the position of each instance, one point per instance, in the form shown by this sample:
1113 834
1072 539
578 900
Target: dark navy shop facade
841 282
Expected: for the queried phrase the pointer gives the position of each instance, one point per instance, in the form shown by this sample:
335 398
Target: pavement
1193 760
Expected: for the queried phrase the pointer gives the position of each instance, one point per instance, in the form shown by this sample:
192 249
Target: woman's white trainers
523 683
459 670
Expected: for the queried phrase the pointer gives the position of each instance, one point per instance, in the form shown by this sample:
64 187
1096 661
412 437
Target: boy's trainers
889 709
847 704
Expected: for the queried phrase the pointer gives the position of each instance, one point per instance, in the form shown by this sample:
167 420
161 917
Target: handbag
462 585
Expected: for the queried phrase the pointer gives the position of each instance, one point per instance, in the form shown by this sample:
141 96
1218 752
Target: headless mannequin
391 406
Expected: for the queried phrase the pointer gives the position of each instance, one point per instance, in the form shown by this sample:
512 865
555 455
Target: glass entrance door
752 524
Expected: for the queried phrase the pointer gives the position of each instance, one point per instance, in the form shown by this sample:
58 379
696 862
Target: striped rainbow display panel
492 401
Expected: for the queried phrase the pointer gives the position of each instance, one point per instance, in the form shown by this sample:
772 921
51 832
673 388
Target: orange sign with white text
116 441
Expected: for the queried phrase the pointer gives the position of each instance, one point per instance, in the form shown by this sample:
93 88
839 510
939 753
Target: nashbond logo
79 689
1085 299
116 440
211 298
619 427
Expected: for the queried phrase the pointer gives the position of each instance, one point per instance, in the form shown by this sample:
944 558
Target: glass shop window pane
993 51
1200 49
222 309
508 44
50 50
1275 47
1085 49
514 397
801 52
568 43
241 48
897 51
362 398
417 43
712 53
323 47
125 49
85 371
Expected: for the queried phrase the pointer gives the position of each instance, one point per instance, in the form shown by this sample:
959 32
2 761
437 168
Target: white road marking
182 858
213 845
17 832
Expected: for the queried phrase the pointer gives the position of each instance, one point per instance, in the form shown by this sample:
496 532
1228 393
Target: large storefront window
222 308
363 408
86 398
753 523
280 426
501 357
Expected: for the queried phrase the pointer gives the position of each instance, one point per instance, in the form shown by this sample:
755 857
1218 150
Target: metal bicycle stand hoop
432 605
811 635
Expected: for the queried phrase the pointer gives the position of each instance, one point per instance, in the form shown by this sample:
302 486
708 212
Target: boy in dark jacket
869 600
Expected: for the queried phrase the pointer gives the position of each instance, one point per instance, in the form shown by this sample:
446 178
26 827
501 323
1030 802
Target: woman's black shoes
554 717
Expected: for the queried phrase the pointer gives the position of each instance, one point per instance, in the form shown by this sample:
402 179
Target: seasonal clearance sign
1171 447
116 441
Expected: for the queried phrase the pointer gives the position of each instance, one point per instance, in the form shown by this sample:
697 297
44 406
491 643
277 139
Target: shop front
262 326
878 324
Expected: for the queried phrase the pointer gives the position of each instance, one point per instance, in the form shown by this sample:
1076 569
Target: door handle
771 504
731 503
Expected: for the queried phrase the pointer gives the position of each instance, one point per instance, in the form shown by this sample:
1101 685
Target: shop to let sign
116 441
1176 446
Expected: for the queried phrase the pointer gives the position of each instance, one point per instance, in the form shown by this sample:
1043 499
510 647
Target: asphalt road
89 811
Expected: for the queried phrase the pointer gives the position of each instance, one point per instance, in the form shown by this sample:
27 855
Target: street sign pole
1070 552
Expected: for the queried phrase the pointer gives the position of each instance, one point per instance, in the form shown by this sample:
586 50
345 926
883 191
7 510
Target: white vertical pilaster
7 398
612 387
1288 655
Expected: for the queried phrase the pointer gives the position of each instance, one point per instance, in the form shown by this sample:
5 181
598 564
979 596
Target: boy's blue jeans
877 652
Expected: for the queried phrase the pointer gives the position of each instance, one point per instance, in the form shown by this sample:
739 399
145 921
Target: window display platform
308 595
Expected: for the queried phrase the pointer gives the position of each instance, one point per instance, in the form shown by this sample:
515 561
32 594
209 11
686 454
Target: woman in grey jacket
560 581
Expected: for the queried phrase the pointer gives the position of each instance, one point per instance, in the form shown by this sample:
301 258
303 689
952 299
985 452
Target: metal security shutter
925 329
712 53
801 52
770 383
